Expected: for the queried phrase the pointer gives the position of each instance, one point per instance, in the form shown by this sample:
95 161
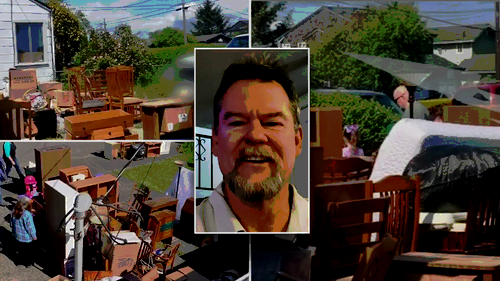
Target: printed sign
170 126
183 117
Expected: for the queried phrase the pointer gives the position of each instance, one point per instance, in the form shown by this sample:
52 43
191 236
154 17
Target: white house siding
449 52
24 11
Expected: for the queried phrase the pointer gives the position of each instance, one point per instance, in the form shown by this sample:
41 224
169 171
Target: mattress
409 136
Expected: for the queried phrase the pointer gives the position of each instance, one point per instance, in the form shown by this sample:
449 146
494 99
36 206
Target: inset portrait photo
252 140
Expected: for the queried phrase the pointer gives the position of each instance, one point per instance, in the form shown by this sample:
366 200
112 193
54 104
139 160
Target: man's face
402 100
256 142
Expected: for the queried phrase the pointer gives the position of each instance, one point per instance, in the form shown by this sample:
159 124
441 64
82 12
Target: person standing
23 229
402 96
9 156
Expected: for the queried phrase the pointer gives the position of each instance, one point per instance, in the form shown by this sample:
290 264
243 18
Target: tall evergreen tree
263 15
209 19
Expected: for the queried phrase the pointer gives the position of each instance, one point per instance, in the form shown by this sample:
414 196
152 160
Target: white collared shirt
214 214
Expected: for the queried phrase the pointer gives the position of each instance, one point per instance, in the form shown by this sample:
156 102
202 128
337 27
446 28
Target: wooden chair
346 169
121 90
376 260
81 105
346 241
404 209
96 84
166 260
138 196
482 230
323 196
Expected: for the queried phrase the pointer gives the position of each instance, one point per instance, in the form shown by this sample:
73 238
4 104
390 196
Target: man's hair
251 69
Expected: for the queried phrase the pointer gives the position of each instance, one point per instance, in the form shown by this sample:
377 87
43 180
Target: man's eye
273 124
236 123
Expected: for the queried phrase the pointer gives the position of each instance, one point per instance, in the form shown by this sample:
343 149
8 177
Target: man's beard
256 191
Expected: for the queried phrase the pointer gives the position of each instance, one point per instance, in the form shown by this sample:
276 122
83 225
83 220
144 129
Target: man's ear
215 142
298 140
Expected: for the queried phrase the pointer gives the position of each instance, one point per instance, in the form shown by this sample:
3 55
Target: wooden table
154 115
82 126
158 204
445 264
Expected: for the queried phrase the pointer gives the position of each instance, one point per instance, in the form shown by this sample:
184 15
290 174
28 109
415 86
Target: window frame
286 45
301 45
44 40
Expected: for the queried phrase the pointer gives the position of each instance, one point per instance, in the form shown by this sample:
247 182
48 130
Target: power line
434 19
151 12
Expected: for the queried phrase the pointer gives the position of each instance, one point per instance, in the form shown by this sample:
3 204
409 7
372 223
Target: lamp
180 164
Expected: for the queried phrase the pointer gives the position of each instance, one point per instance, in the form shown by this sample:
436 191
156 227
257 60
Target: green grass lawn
156 177
167 78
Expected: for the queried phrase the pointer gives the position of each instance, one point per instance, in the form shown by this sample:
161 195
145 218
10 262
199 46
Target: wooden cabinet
97 187
49 160
158 204
65 175
162 225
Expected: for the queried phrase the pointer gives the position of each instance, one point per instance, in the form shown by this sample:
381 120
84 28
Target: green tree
69 33
120 48
263 15
169 37
394 31
209 19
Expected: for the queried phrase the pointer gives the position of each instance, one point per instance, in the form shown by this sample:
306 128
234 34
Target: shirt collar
226 220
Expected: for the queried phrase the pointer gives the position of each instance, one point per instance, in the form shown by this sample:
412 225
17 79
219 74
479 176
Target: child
351 137
23 229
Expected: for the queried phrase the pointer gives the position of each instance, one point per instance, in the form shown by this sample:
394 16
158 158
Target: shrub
170 37
373 118
187 148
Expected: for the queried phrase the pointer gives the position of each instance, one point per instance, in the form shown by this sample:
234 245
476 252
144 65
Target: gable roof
240 25
338 11
440 61
479 63
203 38
459 33
42 4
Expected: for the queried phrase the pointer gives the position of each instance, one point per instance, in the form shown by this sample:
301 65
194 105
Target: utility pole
184 8
184 22
105 24
497 52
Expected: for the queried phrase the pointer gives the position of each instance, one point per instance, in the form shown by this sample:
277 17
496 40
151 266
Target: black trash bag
133 149
447 173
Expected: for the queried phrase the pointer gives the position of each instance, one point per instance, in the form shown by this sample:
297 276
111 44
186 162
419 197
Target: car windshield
239 42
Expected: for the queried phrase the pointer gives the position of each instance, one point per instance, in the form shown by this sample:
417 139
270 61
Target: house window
459 49
285 45
302 45
29 42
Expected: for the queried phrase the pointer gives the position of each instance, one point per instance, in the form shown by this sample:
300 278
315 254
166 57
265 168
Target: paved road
88 154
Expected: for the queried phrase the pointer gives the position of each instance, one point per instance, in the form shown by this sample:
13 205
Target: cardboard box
122 257
91 275
21 80
44 87
177 118
59 278
63 98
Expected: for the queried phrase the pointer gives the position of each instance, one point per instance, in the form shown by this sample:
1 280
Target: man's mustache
260 152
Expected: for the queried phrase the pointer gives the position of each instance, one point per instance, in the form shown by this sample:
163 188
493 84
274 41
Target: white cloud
233 9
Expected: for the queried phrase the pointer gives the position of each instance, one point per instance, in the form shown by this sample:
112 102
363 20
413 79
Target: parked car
471 93
240 41
381 98
431 98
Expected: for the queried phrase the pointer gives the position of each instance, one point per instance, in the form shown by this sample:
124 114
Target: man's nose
256 132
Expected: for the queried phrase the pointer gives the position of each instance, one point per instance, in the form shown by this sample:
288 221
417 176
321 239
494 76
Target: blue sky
464 13
151 15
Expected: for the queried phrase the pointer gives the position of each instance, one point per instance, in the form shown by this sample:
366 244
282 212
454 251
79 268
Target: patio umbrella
447 173
419 74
